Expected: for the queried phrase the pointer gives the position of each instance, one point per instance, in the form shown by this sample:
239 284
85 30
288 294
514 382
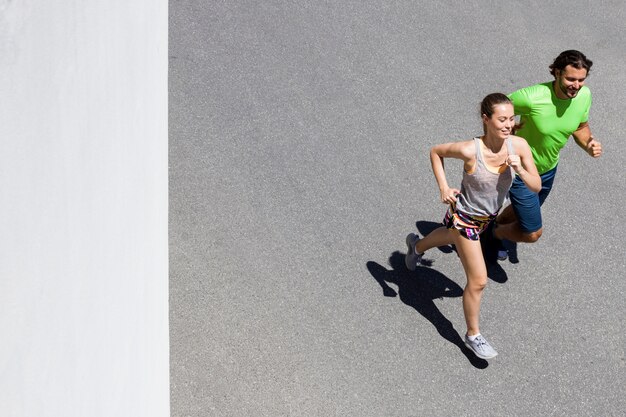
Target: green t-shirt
548 120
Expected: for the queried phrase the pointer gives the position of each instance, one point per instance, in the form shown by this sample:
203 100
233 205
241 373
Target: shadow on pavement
511 248
418 289
490 254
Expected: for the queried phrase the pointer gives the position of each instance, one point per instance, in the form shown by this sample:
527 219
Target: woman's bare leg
441 236
474 265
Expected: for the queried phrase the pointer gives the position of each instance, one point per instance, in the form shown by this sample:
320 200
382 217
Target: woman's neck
493 143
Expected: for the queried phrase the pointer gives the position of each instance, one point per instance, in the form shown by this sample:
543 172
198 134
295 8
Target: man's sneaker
481 347
412 258
503 254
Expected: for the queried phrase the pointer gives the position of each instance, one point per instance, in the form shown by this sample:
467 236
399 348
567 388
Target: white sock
471 338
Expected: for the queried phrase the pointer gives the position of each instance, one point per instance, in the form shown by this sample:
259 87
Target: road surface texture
299 138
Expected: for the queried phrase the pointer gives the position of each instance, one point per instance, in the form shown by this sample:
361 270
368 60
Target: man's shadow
418 289
511 248
490 253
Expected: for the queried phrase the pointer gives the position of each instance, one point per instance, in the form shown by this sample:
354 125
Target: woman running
491 162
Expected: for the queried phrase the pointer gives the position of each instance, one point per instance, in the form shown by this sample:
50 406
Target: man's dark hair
571 57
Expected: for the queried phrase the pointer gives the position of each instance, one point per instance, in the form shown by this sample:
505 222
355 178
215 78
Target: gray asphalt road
299 139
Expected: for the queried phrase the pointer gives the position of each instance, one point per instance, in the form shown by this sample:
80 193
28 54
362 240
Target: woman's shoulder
469 143
461 144
518 141
464 149
469 147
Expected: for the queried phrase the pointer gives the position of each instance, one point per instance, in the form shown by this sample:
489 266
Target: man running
550 113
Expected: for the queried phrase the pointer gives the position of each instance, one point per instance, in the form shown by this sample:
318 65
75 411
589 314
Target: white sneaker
481 347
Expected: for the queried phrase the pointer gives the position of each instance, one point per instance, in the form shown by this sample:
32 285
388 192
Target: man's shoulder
534 90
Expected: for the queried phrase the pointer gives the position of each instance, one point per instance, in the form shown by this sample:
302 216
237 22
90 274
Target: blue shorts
526 204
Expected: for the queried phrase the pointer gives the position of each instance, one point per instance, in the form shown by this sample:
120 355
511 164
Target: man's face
569 81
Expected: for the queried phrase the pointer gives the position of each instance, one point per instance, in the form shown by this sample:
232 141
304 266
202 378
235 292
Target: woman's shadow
418 289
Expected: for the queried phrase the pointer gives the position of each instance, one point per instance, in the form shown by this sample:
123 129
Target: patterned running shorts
470 226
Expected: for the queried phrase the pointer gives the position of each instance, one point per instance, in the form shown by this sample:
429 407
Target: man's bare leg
514 233
506 216
508 228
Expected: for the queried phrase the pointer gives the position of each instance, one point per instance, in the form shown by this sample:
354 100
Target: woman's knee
476 284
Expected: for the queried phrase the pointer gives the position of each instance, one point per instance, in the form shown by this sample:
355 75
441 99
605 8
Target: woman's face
501 122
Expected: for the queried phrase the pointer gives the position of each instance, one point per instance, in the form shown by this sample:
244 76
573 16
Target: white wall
83 208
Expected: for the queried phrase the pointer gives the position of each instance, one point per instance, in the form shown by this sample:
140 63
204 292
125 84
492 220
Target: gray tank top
483 192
